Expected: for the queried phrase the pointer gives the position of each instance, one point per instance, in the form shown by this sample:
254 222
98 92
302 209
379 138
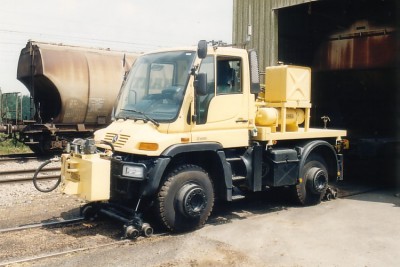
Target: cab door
222 114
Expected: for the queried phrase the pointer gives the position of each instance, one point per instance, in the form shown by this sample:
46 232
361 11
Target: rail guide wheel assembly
133 225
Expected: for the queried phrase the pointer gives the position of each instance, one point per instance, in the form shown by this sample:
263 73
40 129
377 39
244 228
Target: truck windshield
155 86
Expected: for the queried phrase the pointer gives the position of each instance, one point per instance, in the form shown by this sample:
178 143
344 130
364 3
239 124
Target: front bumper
125 187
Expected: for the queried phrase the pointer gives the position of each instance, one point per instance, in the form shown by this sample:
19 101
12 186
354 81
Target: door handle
241 121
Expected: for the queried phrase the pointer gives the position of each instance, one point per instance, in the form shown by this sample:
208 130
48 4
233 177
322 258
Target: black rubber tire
304 191
186 199
35 182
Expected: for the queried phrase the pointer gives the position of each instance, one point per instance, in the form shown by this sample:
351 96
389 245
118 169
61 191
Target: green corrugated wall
262 15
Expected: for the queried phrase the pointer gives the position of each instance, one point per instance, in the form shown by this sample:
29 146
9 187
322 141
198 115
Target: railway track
222 216
18 157
24 157
38 225
46 255
214 220
17 168
5 175
61 253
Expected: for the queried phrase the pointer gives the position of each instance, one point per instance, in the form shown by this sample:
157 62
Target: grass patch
9 146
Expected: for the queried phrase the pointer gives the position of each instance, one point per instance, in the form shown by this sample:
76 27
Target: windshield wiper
147 118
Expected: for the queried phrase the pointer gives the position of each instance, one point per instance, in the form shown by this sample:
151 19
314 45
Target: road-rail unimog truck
192 125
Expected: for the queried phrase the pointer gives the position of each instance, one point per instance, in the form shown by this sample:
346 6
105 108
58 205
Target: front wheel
186 199
313 181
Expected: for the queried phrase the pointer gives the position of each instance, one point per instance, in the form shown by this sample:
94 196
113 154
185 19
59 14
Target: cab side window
228 76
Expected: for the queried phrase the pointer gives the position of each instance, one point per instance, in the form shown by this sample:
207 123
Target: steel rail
16 155
27 179
29 171
5 159
38 225
60 253
4 180
24 156
74 250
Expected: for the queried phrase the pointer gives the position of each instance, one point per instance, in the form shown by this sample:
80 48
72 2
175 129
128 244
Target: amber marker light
185 140
148 146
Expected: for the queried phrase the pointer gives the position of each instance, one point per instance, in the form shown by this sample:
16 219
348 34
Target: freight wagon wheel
42 148
186 199
37 149
313 183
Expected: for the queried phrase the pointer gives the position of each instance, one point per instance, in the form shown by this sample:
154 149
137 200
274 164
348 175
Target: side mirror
202 49
200 84
254 73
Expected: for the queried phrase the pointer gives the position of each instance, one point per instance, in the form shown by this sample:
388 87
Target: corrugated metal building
353 49
262 15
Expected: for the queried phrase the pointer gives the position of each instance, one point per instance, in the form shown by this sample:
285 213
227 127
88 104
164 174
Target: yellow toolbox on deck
286 84
87 176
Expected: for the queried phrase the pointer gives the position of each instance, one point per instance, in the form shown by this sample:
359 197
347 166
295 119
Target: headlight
133 171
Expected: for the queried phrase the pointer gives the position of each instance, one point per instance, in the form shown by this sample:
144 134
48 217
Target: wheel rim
317 179
193 199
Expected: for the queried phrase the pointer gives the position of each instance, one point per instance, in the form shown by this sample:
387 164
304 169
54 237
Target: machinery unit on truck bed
192 125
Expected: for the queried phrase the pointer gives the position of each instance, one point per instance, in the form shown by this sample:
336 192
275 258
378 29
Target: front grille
125 188
120 141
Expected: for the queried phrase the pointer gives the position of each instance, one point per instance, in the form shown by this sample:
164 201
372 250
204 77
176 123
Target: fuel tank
271 116
70 84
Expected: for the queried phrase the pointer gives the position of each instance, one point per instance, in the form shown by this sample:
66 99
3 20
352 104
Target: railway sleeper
133 224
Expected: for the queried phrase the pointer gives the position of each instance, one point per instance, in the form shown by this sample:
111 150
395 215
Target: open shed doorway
352 48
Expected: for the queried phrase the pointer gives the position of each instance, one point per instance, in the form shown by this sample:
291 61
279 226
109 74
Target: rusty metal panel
369 47
362 46
72 84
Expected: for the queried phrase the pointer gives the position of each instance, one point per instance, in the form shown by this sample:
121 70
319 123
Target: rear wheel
313 182
186 199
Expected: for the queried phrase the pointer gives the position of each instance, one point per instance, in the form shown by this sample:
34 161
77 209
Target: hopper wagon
72 92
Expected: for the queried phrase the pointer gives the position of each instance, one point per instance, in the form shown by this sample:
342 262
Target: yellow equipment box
87 176
288 84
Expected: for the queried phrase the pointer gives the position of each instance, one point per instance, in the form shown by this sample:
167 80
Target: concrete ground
360 230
